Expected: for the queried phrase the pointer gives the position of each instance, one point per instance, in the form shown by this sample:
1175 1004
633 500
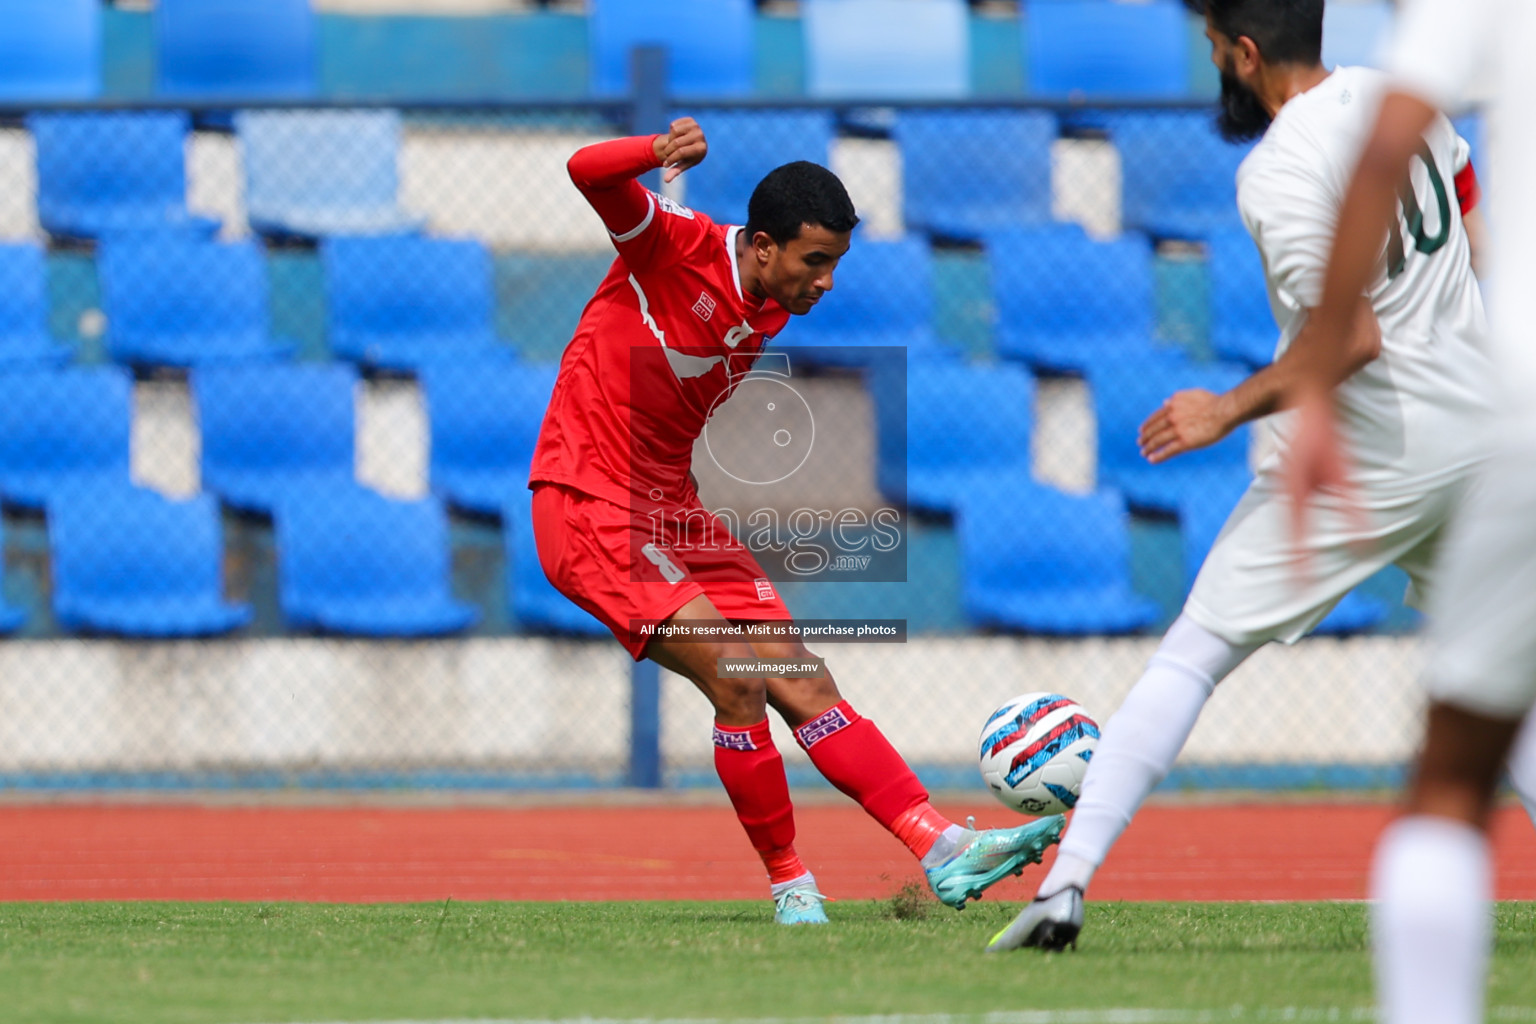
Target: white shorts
1483 625
1255 586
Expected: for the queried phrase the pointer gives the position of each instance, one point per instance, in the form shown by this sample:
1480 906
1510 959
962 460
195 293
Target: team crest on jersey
672 206
705 307
765 590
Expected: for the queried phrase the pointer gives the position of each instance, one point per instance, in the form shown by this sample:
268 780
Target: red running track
1172 852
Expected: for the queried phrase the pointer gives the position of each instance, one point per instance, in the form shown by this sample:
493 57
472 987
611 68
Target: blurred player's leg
1430 887
1431 919
1431 883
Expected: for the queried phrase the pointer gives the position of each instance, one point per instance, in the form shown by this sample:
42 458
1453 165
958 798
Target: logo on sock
823 725
732 739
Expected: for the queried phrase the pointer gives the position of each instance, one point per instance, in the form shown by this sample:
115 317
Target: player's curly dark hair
1285 31
796 194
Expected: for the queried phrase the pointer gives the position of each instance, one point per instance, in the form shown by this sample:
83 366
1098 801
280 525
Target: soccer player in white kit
1413 411
1432 877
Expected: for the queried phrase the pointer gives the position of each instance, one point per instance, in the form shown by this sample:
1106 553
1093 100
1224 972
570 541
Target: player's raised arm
607 173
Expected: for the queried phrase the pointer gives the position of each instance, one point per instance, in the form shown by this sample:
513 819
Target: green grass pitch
247 963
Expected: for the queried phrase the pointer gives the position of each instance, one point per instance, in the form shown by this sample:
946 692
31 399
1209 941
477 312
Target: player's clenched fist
681 148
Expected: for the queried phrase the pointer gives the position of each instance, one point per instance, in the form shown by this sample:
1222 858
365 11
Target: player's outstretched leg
752 771
1139 745
960 863
987 857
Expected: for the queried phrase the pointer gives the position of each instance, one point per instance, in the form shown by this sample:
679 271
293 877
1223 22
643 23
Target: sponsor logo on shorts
765 590
730 739
823 725
705 307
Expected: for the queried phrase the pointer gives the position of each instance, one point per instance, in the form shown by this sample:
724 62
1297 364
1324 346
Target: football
1035 751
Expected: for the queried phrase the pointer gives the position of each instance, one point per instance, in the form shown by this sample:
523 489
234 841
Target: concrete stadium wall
82 711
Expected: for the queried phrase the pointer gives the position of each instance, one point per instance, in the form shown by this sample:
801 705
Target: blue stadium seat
50 50
1125 392
132 562
270 433
1472 127
744 145
1178 176
709 44
1242 325
969 172
352 561
178 300
310 173
242 49
61 430
24 337
1353 33
1065 301
113 172
956 421
11 618
882 297
534 602
485 420
1201 517
1106 49
540 297
1043 561
401 302
886 49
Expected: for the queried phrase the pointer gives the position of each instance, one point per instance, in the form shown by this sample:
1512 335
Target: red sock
858 759
752 770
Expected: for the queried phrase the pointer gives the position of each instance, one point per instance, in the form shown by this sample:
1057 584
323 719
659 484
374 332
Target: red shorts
626 567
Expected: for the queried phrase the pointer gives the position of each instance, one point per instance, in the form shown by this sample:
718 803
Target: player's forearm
605 173
606 165
1277 385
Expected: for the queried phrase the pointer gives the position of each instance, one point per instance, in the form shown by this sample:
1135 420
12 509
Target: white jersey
1443 51
1415 416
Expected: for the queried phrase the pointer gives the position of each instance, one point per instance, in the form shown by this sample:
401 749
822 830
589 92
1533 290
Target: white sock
806 879
1522 766
945 847
1139 745
1431 922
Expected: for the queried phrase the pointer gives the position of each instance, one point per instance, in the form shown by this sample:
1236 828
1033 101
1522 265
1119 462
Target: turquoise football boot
800 904
990 857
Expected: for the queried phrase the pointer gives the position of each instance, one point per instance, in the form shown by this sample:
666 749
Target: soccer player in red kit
685 310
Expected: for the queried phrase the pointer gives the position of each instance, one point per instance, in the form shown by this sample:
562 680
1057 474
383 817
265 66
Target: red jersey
665 339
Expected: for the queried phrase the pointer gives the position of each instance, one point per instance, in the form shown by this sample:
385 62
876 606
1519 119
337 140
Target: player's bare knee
801 698
739 700
1459 767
